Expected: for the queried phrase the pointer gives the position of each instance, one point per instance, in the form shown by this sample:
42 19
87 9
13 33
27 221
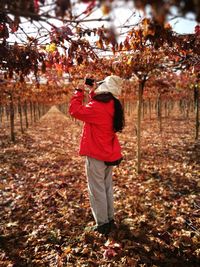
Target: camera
89 81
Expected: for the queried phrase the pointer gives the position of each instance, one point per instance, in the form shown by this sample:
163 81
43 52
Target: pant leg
109 192
96 173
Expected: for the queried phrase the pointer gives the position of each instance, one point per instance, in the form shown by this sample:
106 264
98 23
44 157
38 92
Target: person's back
102 117
98 137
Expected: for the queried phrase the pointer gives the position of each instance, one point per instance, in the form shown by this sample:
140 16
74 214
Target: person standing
103 116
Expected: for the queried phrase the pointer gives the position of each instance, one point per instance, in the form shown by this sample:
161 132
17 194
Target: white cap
110 84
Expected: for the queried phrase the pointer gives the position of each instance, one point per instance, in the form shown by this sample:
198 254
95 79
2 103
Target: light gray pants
100 188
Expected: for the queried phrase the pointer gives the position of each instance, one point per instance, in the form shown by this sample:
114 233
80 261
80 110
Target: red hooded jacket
98 140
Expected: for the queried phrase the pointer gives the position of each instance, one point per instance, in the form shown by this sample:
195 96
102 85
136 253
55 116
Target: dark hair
118 119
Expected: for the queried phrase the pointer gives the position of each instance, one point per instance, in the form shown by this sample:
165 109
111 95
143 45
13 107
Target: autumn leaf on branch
91 5
4 31
61 34
14 24
62 6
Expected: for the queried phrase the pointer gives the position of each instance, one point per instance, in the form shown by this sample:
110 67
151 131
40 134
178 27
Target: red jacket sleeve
87 113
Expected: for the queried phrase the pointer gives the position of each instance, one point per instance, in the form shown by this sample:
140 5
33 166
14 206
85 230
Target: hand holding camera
89 81
91 84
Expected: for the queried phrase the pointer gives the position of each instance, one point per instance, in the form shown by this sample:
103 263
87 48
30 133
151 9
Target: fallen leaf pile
44 205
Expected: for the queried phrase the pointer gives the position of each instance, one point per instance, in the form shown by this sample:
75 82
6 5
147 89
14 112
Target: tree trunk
31 110
43 110
196 101
139 115
1 115
188 109
34 111
25 113
159 112
166 109
20 115
39 111
12 118
7 112
149 102
143 109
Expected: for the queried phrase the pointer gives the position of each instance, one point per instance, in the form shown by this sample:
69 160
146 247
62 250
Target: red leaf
109 253
197 29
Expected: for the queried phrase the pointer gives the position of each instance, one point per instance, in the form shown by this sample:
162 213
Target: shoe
113 225
104 229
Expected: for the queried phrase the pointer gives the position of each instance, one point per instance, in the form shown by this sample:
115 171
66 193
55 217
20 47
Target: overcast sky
123 15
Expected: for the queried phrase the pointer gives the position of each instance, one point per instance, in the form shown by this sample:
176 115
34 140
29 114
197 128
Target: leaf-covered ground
44 206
